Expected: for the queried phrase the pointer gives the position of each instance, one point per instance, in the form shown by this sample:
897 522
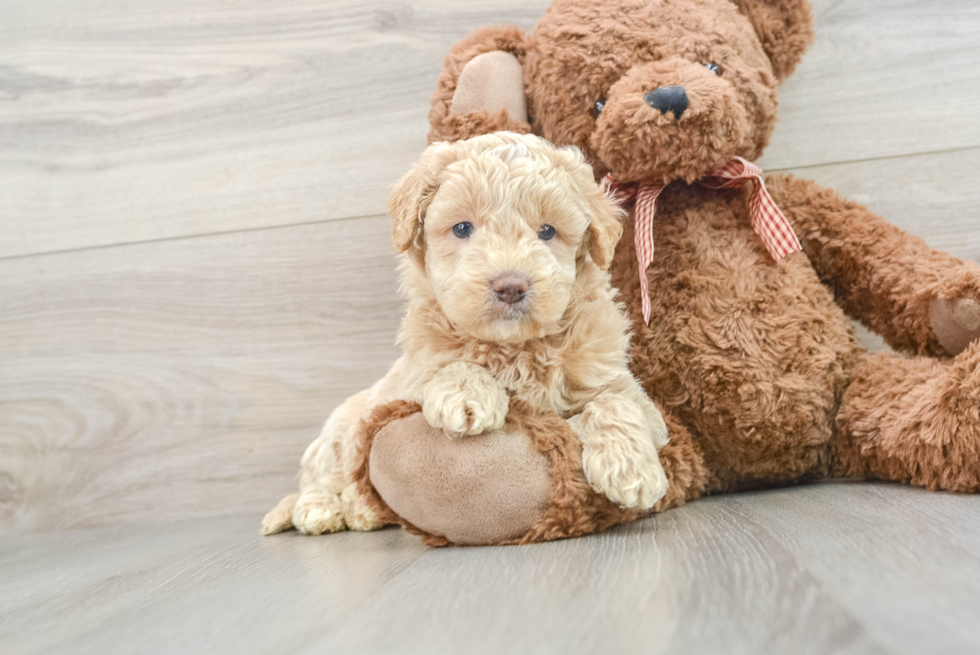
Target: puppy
507 241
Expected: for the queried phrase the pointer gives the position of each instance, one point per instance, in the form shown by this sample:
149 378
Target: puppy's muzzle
510 288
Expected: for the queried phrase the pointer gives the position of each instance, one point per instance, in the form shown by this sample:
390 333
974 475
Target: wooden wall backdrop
194 261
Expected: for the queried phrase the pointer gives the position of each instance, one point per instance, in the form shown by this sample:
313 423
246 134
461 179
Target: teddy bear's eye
599 106
714 68
546 233
463 230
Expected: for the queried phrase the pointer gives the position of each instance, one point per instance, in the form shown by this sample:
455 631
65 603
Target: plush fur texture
756 361
467 353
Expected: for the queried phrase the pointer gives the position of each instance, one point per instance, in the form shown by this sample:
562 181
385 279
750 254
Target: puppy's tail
280 518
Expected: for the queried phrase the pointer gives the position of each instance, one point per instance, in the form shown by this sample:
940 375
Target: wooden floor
195 269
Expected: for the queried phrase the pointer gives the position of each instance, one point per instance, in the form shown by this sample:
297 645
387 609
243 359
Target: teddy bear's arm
481 88
920 300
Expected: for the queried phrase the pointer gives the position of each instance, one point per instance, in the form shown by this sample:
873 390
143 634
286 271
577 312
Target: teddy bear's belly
751 355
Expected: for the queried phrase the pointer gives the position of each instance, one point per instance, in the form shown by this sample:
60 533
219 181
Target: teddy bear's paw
464 399
634 481
357 514
318 513
955 322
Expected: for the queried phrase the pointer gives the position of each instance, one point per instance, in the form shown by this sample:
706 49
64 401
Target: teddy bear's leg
912 420
683 462
920 300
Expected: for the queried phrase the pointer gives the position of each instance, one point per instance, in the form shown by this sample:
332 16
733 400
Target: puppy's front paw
464 399
635 481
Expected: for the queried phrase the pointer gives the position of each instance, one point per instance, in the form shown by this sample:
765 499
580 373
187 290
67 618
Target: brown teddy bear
752 360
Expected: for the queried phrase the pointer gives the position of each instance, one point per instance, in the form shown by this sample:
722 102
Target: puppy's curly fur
558 343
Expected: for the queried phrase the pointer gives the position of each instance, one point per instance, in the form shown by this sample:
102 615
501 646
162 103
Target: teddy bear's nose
668 98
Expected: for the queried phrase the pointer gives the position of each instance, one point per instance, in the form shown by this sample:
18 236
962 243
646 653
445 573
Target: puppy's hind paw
357 514
280 518
318 513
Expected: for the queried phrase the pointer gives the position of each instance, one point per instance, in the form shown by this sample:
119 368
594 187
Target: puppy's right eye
463 230
599 106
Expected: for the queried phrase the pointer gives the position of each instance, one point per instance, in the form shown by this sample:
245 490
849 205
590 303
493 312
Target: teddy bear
739 286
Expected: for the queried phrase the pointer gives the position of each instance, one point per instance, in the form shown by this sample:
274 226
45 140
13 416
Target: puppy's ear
605 215
605 228
413 193
785 28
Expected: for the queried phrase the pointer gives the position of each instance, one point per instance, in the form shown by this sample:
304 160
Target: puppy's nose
510 288
668 98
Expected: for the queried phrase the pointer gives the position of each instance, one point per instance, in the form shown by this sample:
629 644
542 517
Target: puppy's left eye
546 233
714 68
463 230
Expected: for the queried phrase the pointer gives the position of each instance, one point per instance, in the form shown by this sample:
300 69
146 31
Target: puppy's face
506 224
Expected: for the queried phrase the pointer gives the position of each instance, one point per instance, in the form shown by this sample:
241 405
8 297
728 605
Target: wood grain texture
200 586
884 78
123 122
934 196
898 559
832 568
183 378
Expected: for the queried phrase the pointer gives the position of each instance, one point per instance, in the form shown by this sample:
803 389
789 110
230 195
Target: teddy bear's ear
785 28
413 193
481 88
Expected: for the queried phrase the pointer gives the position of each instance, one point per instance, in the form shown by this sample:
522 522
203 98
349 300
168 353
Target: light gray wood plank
201 586
883 78
124 121
128 121
842 568
694 580
183 378
901 560
934 196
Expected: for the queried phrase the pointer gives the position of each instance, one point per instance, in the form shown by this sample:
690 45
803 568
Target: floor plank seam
325 221
183 237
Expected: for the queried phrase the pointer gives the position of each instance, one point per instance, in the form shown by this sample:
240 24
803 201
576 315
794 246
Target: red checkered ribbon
770 224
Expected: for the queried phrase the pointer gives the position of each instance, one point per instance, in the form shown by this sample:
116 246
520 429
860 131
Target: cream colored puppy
507 240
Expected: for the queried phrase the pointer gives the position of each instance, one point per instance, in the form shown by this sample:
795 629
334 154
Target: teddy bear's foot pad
955 322
476 490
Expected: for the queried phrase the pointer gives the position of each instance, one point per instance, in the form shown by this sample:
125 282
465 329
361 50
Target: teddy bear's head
648 89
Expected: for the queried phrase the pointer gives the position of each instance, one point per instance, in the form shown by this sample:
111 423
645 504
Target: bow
768 222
